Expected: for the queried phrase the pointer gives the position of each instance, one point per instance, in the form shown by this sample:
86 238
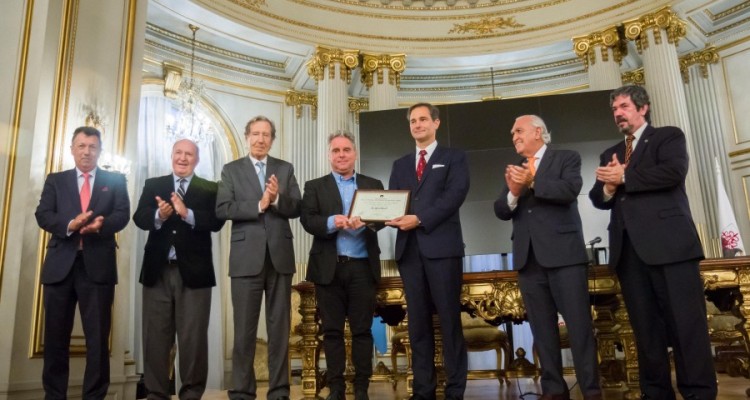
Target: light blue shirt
349 242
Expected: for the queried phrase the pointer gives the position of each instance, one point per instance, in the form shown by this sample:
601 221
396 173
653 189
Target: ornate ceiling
451 45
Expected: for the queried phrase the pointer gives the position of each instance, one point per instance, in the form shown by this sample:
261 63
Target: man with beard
655 249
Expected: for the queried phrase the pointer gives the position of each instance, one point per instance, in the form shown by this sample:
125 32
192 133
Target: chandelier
190 122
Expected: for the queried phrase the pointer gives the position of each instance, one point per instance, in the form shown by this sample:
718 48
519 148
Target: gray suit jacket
546 217
253 232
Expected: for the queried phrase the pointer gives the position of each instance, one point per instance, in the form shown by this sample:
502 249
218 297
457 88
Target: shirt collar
638 132
430 149
340 178
540 153
255 160
188 178
79 173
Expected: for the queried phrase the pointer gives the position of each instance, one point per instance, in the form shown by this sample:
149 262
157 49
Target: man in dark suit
344 265
260 195
541 197
179 211
655 249
82 209
429 251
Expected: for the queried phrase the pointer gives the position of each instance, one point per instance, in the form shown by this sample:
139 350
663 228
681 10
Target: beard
627 129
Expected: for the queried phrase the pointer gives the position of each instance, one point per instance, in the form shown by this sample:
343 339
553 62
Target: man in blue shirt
344 264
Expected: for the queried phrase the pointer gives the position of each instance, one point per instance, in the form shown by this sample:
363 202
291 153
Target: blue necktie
261 175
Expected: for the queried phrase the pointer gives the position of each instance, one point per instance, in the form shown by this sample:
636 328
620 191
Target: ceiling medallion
486 26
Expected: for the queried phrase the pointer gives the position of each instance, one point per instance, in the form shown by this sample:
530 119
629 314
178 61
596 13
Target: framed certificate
379 205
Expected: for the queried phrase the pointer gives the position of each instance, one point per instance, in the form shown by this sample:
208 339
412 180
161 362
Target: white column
332 70
303 124
656 37
382 76
708 142
602 53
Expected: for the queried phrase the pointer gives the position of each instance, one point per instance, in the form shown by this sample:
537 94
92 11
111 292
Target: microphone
595 241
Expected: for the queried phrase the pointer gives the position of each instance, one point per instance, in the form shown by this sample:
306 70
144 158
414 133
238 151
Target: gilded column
302 138
381 73
332 69
656 36
602 54
708 143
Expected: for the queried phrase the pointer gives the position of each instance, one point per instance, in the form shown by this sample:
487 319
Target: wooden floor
729 388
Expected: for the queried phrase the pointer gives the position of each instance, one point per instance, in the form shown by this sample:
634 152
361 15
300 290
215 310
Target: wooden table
495 297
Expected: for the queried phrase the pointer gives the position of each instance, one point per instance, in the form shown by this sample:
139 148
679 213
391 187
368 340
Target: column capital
329 57
702 58
635 77
374 64
297 99
663 18
172 79
585 45
358 104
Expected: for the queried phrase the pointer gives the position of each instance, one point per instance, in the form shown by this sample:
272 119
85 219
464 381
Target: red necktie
85 192
421 164
628 147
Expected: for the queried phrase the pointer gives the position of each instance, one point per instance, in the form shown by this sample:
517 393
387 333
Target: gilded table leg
439 368
310 345
744 311
626 337
609 367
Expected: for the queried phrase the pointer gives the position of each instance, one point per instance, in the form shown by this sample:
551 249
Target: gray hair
260 118
538 122
343 134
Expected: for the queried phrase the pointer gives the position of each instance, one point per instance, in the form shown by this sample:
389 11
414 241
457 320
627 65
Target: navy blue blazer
435 200
60 203
192 244
546 217
652 205
321 200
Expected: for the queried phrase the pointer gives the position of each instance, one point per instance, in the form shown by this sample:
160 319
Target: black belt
172 262
346 259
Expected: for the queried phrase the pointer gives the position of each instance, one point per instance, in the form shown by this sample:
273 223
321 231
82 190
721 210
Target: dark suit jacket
547 216
652 204
435 200
321 200
61 203
253 232
192 245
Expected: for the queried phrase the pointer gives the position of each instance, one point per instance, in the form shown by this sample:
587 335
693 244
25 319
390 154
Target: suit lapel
330 187
252 175
436 156
546 161
642 144
71 186
100 184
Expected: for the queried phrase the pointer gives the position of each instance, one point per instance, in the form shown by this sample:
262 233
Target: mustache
620 119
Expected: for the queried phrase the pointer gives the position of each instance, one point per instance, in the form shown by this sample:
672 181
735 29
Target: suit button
416 198
529 211
174 232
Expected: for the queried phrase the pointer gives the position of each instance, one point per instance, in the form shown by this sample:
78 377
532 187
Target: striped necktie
181 188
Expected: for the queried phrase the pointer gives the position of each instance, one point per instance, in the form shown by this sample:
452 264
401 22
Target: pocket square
438 166
105 189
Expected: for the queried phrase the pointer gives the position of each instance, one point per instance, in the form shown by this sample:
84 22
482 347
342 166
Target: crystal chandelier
190 122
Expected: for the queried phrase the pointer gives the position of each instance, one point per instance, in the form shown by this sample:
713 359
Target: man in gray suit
259 194
540 196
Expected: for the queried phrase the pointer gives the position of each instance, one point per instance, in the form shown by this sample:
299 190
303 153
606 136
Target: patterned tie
421 164
85 192
181 188
531 163
261 175
628 147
